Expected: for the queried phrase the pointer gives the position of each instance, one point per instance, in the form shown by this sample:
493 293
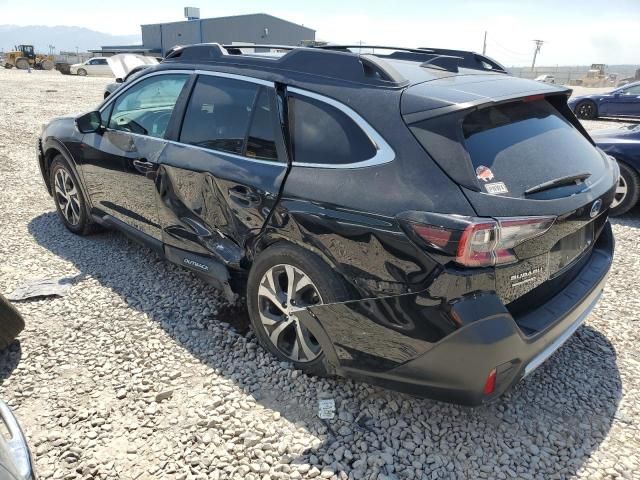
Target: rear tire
11 323
627 191
82 72
587 110
22 63
70 202
312 282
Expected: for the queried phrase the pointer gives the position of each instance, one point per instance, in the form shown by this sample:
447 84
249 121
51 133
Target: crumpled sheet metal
44 287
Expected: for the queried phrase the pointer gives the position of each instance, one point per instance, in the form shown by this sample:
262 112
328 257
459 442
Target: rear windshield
521 144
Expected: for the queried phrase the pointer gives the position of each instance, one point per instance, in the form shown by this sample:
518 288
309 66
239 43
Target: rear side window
219 113
261 141
322 134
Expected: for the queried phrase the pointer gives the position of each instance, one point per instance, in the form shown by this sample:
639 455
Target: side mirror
89 122
119 80
616 95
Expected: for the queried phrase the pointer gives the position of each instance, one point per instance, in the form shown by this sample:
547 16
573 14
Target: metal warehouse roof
222 19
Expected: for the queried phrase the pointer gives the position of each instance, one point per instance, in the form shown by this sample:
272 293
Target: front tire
67 195
284 278
22 63
627 191
587 110
82 72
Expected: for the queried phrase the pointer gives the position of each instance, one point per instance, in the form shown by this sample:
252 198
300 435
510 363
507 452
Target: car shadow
10 357
569 403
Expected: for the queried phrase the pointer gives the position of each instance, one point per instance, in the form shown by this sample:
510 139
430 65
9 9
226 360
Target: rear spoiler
557 98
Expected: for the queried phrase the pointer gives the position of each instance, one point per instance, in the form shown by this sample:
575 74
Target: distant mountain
63 38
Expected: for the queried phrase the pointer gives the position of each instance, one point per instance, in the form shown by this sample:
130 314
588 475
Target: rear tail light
483 242
490 384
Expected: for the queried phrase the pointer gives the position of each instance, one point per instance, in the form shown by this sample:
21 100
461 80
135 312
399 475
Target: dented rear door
221 175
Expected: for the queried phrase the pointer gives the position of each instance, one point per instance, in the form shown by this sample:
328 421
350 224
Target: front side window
322 134
146 107
219 113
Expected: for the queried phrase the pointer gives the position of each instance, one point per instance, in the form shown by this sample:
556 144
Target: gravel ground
132 375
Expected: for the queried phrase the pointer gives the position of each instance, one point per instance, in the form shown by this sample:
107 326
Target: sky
576 32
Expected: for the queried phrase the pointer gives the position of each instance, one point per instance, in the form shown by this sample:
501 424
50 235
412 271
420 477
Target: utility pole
539 44
484 44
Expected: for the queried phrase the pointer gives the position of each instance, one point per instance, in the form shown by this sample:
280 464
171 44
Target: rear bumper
456 367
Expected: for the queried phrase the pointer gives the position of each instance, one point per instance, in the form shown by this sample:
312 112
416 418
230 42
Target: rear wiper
558 182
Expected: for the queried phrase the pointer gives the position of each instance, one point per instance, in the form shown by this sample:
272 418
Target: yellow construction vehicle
24 57
596 76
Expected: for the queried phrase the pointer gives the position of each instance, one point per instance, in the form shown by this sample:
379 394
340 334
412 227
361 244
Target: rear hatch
515 150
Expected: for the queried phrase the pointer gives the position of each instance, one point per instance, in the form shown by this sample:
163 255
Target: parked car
125 66
621 102
96 66
623 144
546 78
111 87
417 218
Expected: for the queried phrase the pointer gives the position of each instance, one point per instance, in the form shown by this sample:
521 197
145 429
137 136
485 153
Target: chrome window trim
258 81
229 154
111 98
233 76
384 152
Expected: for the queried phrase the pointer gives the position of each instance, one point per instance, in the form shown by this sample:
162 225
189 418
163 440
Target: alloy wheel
283 290
67 196
586 110
621 192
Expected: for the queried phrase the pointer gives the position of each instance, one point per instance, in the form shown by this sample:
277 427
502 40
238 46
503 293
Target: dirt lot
132 375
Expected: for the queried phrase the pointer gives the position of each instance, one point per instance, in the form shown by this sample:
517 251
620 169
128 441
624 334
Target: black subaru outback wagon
417 218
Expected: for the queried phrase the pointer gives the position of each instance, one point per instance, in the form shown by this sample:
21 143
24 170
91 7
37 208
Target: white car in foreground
96 66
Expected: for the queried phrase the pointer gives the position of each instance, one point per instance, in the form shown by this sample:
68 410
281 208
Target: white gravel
134 376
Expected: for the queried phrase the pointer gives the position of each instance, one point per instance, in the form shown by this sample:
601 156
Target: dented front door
221 178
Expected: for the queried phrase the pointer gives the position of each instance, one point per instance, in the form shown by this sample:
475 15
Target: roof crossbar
468 59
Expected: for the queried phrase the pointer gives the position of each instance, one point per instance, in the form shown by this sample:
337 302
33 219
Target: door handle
244 196
143 166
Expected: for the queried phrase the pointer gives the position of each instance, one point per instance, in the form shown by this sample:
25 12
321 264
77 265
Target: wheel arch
52 149
261 242
268 239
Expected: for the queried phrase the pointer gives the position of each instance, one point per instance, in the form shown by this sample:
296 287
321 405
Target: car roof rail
347 66
428 56
471 60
